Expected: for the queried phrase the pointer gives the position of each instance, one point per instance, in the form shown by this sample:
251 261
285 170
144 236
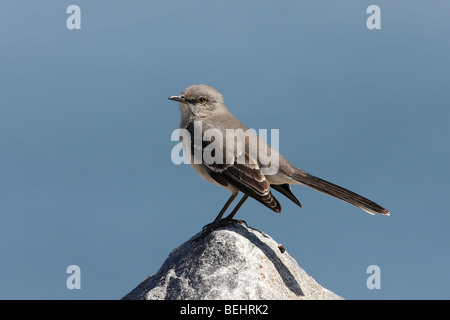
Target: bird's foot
213 226
205 231
233 222
223 223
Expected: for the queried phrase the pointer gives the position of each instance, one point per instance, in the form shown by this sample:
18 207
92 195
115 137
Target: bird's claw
210 227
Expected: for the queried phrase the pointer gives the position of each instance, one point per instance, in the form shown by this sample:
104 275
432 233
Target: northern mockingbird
203 109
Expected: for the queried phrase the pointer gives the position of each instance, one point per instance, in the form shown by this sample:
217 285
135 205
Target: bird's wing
234 165
248 178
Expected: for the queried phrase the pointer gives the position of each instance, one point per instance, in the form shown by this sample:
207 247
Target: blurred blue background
86 176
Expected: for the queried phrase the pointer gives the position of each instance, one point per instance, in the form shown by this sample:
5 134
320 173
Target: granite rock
234 262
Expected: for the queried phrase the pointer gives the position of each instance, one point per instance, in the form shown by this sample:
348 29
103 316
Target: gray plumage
204 104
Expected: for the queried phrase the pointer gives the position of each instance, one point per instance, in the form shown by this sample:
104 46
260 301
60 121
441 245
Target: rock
235 262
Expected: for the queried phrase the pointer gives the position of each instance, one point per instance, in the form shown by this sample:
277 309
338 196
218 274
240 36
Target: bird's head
200 100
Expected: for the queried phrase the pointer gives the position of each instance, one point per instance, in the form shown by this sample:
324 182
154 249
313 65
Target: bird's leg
210 227
230 217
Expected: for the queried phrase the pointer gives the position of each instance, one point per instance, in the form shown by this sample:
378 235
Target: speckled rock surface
235 262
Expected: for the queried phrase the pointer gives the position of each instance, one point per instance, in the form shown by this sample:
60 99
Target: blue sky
86 176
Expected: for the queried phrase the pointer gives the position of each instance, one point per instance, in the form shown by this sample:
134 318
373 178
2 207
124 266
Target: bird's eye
201 100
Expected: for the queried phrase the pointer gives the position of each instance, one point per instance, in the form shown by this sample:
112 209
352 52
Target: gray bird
203 109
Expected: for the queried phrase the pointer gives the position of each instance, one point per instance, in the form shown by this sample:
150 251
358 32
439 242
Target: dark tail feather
285 189
339 192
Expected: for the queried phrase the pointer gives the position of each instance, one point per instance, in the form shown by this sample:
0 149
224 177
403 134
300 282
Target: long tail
338 192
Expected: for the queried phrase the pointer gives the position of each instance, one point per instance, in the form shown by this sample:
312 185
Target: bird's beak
177 98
